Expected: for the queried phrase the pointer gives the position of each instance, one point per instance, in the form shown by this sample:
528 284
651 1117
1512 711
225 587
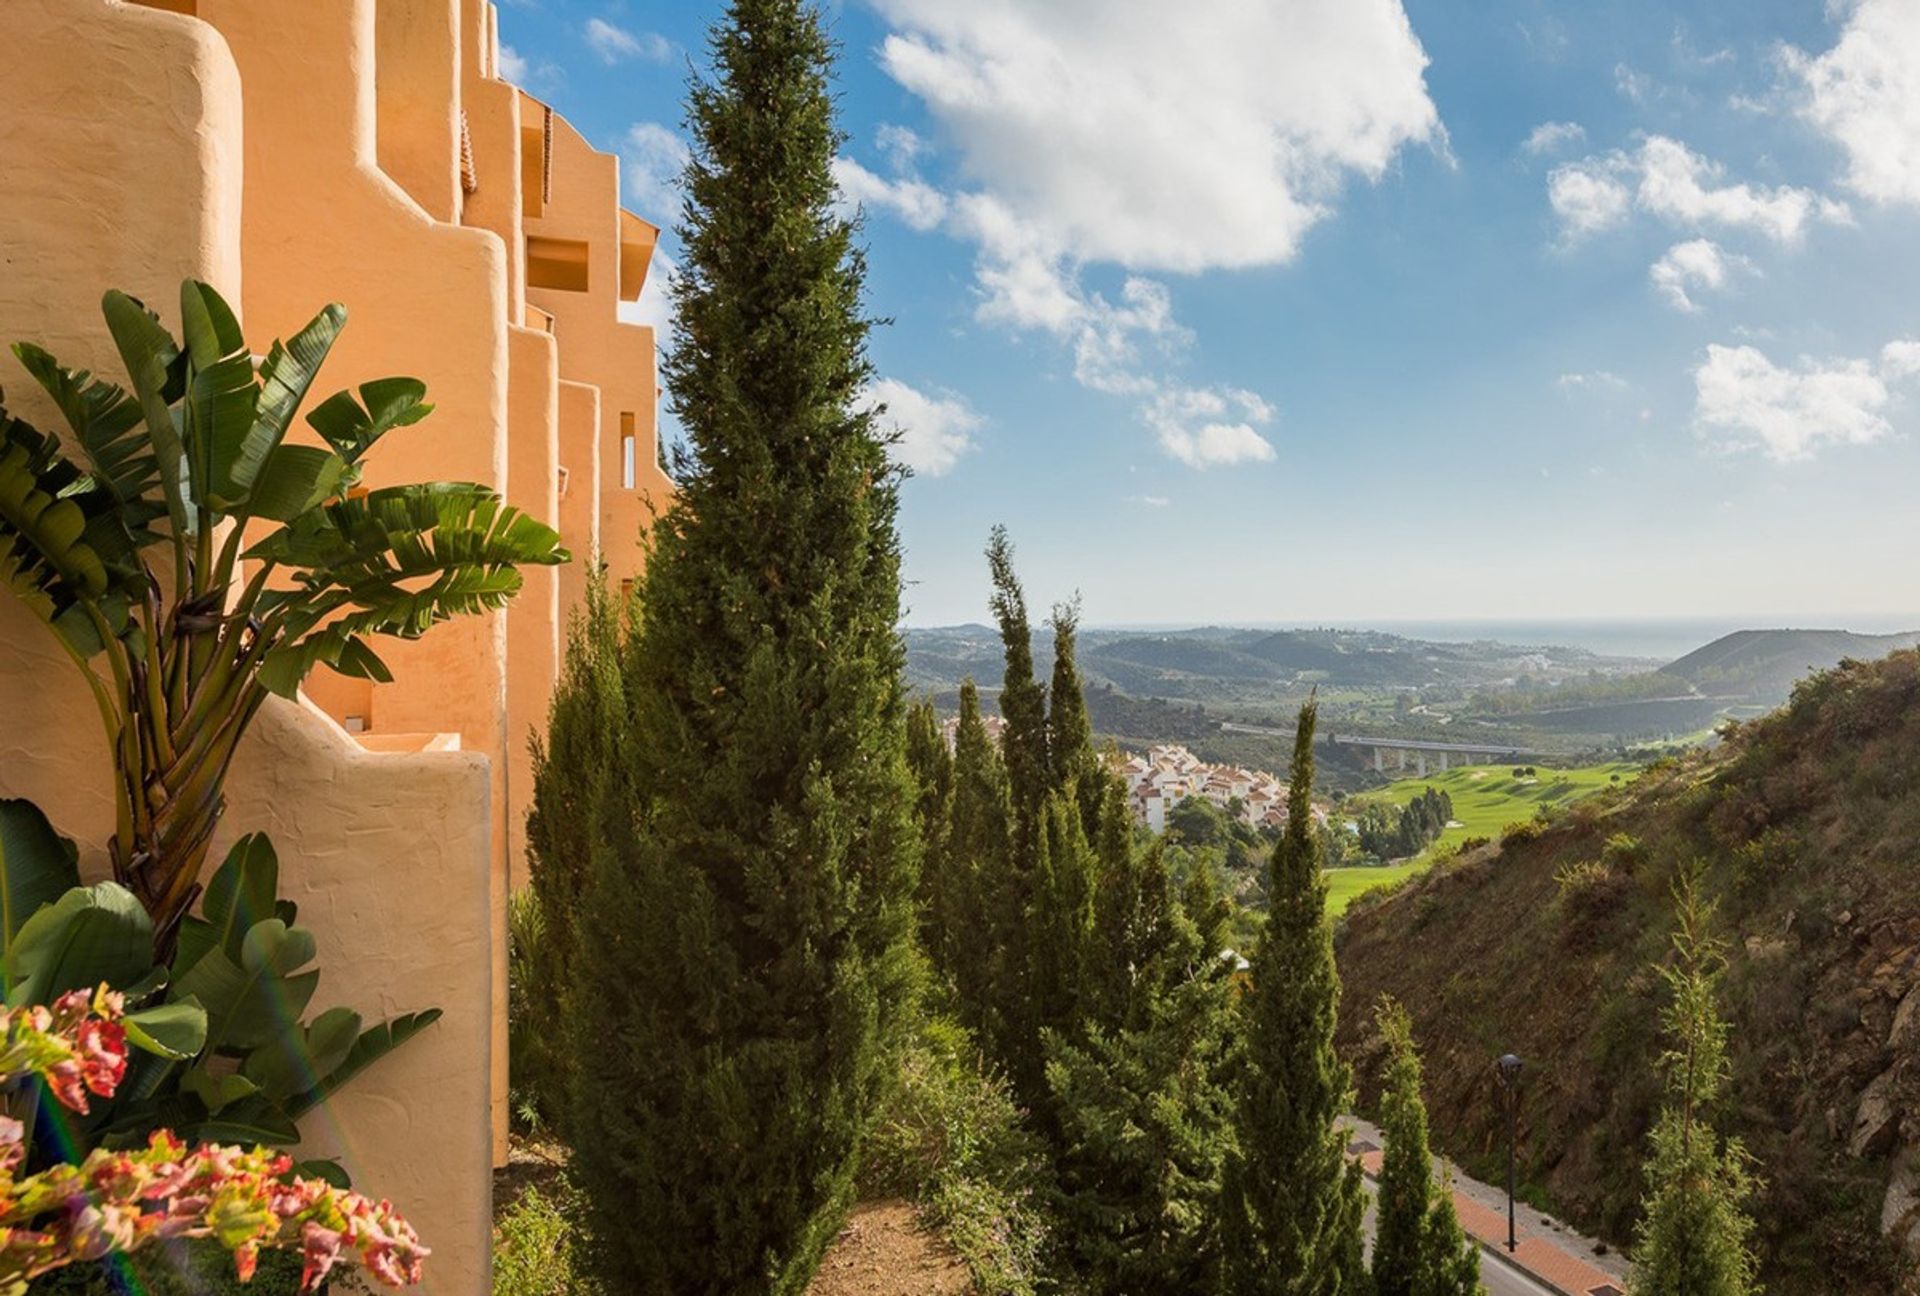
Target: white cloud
513 65
1089 134
1634 85
1668 180
1587 198
931 431
1551 137
1682 186
1865 94
1692 267
1787 414
652 158
914 201
613 44
1210 427
1215 141
1150 501
1593 380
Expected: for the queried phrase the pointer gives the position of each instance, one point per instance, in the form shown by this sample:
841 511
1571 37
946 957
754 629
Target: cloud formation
617 44
1744 401
1666 179
1864 93
1551 137
1087 133
930 432
1692 267
652 158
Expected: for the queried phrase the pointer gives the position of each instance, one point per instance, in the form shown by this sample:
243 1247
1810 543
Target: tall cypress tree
1073 766
586 735
932 764
746 960
970 948
1695 1238
1023 699
1291 1204
1419 1248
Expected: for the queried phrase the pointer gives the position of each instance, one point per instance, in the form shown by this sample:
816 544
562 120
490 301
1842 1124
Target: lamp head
1509 1067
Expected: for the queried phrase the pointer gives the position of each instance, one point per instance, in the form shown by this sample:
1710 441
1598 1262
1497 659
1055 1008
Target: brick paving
1538 1254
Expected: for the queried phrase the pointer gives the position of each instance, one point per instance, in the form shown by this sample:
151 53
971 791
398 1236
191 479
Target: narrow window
627 450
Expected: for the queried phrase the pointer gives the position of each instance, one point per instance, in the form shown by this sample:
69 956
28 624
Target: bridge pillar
1379 759
1400 754
1445 764
1422 758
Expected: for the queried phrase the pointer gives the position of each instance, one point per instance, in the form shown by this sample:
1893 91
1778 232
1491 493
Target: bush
533 1249
1592 893
951 1139
191 1269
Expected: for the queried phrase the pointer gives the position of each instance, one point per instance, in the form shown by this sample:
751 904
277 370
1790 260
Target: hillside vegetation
1763 665
1805 827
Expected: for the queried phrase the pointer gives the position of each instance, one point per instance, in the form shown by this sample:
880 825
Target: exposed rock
1905 1038
1876 1122
1900 1215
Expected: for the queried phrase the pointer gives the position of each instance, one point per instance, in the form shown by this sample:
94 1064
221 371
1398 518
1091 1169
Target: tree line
1389 834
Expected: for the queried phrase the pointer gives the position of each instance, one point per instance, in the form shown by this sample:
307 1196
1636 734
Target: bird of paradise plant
192 558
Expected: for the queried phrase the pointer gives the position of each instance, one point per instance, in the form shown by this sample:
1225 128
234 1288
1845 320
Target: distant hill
1802 825
1762 665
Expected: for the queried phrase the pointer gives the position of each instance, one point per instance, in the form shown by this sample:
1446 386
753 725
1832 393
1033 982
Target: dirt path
883 1251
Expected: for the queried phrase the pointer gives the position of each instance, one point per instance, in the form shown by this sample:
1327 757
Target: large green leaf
298 1059
243 891
37 867
294 479
247 1122
251 1000
373 1044
88 936
106 422
176 1029
44 553
151 359
285 378
351 428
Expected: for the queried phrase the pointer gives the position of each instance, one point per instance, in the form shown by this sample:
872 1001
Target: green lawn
1486 799
1343 884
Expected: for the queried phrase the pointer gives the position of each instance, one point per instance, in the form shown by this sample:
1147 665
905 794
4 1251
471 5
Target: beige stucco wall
597 348
293 153
390 856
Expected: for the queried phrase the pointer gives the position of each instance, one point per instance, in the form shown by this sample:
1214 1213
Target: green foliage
226 1055
586 739
1695 1237
1419 1248
192 462
1418 824
537 1249
950 1137
202 1268
743 972
1143 1106
1291 1205
974 941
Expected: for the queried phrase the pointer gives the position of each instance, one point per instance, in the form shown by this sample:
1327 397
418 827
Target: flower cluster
115 1202
78 1046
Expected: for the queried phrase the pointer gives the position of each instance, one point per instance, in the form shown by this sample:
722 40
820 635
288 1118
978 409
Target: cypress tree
970 948
932 765
1419 1248
586 735
1140 1093
1695 1238
1291 1205
1073 765
746 960
1023 700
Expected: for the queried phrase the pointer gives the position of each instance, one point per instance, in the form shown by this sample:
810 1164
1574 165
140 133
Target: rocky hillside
1764 665
1806 828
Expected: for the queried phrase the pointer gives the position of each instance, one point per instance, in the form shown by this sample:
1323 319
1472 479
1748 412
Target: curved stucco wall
122 153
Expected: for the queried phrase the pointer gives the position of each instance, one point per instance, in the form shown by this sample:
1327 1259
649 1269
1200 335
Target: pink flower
68 1083
321 1249
103 1055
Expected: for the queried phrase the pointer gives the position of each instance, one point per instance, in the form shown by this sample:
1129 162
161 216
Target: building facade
294 153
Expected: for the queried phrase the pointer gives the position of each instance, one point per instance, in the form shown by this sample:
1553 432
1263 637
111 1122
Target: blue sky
1355 310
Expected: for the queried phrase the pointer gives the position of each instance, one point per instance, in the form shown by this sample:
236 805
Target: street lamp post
1509 1070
